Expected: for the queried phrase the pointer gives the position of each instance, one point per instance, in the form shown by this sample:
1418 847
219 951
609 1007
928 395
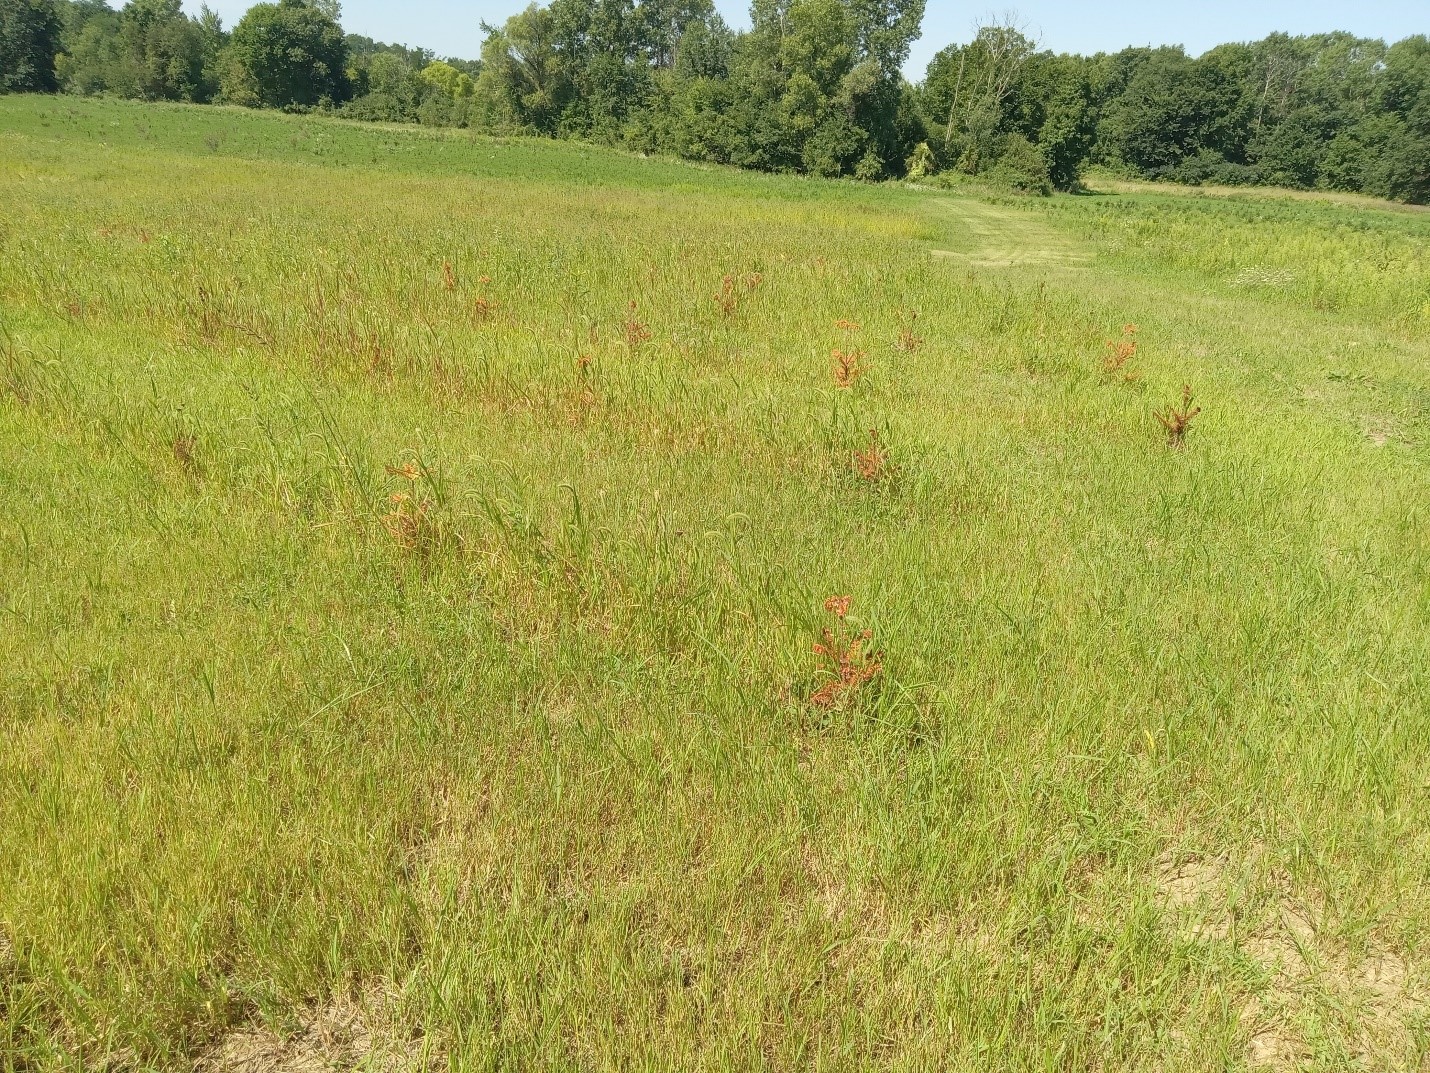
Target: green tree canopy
446 78
1167 112
161 52
813 85
287 53
525 82
29 42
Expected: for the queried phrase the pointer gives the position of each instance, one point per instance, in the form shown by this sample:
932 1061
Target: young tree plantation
651 549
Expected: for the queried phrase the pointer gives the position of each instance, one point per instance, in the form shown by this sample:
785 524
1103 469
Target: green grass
1318 255
531 778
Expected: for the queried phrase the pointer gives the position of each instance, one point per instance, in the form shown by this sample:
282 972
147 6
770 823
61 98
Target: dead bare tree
988 69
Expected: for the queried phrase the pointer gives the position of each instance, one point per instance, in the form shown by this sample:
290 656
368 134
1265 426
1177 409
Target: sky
452 27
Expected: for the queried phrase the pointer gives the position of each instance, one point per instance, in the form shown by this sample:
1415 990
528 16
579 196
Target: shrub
1209 167
1020 167
921 163
1380 155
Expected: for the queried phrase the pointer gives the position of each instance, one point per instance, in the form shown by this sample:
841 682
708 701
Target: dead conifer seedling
409 521
1119 353
1177 420
183 446
848 360
483 305
848 367
872 464
729 298
847 658
637 331
583 401
909 341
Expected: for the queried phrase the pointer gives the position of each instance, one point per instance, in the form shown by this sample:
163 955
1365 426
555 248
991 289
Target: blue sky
451 27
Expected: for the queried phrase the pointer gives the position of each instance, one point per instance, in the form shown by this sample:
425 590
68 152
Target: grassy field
413 554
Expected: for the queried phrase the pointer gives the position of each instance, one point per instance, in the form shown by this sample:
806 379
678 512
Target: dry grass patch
346 1034
1307 995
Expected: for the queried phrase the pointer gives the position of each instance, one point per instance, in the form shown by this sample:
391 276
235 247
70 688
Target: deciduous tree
29 42
287 53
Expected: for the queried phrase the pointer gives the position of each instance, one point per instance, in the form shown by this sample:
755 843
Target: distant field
414 549
1104 182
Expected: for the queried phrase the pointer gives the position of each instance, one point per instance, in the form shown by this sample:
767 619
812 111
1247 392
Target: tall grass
1368 262
389 623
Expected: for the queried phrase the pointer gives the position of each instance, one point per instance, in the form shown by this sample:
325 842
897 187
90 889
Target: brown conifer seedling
909 341
847 660
872 464
848 367
1177 420
728 299
636 331
1119 353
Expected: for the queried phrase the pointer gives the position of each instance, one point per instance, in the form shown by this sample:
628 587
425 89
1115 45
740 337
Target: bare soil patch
344 1035
1306 993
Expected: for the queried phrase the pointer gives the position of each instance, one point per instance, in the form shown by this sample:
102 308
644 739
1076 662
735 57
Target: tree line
813 86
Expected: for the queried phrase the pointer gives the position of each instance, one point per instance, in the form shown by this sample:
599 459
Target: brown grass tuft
344 1034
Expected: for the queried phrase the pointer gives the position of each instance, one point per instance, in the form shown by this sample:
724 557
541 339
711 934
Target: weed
26 378
209 320
449 277
1176 421
212 318
16 373
846 658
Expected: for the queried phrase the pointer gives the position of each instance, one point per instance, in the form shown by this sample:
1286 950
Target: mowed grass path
411 555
